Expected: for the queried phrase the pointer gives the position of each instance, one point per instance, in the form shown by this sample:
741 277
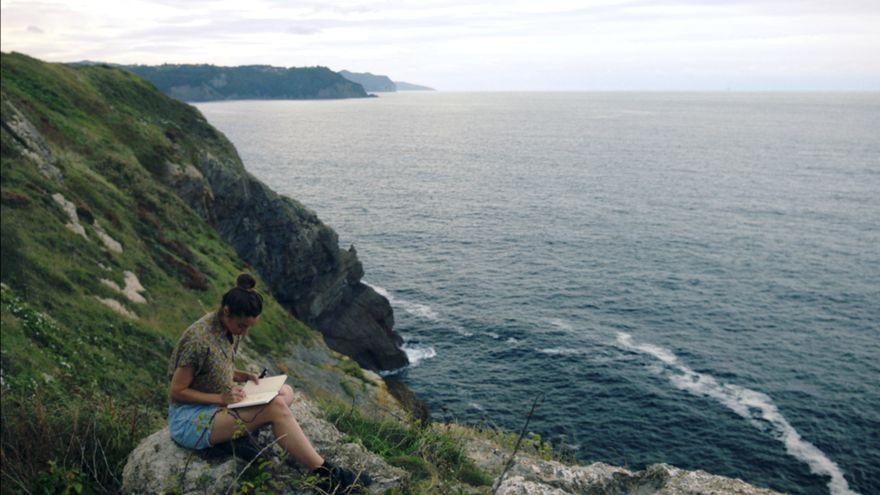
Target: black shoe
244 448
337 480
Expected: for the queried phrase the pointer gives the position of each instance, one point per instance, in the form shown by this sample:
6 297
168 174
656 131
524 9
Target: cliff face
370 82
296 254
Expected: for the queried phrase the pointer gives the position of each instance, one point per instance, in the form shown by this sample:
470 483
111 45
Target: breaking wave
757 407
419 310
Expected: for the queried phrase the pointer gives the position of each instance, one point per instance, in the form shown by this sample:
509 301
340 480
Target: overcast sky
468 45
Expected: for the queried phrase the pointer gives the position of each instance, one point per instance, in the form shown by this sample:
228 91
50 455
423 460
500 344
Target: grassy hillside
82 382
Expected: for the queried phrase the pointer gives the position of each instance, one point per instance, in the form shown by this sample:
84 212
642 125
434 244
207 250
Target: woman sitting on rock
202 374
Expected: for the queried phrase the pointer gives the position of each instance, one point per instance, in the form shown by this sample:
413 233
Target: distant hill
405 86
370 82
210 82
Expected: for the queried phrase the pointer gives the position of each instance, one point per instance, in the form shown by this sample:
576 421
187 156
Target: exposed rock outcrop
296 254
32 144
543 477
533 476
158 465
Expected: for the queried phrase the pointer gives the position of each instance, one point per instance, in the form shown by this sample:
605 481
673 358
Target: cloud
469 44
294 29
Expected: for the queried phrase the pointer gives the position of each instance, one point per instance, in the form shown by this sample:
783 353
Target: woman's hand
243 376
233 395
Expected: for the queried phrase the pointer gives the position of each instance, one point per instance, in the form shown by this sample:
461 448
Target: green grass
351 368
434 457
63 352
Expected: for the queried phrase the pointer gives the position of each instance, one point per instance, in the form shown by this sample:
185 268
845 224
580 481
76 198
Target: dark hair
243 299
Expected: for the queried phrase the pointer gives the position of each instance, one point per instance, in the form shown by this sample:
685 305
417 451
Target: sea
685 278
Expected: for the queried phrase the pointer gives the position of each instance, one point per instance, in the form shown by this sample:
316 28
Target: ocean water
688 278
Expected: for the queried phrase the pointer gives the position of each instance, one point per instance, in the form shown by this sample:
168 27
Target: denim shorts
190 424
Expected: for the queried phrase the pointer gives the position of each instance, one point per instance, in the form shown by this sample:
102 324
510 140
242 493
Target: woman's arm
180 391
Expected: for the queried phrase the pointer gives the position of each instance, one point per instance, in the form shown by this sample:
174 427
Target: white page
256 395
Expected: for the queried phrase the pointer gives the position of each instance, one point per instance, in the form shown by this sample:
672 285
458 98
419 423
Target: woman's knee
287 393
280 407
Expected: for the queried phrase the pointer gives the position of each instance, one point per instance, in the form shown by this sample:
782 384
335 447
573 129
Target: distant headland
249 82
381 84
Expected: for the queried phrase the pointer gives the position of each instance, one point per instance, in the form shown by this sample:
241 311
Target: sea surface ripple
692 278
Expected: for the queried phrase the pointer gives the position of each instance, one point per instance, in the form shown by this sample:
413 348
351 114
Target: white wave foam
417 309
559 350
458 329
493 335
757 407
414 308
511 340
416 353
561 324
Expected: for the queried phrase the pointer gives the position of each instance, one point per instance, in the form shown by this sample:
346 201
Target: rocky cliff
294 252
370 82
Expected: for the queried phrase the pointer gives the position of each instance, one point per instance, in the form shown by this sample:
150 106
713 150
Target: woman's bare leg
286 392
284 426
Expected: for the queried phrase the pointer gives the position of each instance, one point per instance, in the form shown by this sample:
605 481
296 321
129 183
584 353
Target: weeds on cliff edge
431 454
538 400
76 443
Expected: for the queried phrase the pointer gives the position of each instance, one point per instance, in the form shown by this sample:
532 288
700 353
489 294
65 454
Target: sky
535 45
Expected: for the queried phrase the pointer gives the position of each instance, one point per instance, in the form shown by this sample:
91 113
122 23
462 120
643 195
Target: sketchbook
257 395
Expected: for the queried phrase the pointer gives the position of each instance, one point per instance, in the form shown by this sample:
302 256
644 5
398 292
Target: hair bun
245 281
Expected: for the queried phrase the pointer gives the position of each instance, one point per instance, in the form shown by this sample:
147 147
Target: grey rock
675 481
344 329
594 478
529 475
517 485
158 465
32 144
547 477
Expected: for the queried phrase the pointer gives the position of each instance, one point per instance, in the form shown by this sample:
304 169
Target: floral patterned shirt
210 350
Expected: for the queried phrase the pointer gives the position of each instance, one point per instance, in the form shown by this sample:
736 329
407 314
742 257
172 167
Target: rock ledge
158 465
